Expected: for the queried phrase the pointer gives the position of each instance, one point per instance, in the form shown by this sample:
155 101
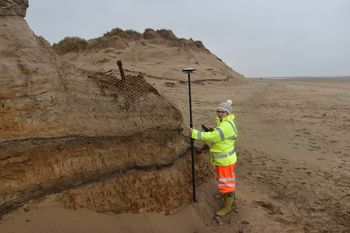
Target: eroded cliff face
83 139
32 90
146 171
40 99
13 7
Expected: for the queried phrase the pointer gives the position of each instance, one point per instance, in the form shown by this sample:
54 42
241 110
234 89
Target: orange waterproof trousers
226 178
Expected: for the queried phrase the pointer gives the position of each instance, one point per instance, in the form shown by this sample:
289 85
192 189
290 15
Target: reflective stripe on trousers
226 178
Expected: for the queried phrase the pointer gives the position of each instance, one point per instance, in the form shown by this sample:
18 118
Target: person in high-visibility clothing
223 152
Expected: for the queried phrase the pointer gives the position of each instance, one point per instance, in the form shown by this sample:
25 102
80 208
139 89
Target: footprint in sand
271 209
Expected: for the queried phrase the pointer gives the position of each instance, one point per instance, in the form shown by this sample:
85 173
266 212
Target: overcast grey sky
254 37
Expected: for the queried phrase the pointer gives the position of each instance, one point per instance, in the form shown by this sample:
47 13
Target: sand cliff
92 140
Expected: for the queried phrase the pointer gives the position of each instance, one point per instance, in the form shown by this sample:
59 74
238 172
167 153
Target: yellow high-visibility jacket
223 139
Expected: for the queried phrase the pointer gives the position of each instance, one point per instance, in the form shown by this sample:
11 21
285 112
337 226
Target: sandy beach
293 169
94 132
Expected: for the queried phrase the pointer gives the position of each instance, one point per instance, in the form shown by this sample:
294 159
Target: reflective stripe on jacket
223 138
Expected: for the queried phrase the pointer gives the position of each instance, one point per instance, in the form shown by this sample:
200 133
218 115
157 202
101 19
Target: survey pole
188 71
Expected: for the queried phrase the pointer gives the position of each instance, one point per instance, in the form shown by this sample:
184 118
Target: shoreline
302 78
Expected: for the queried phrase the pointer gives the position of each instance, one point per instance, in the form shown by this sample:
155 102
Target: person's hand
207 129
191 131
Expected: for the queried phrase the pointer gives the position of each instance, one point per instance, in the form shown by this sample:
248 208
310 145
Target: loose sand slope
158 54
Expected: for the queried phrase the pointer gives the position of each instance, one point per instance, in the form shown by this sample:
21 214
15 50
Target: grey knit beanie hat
226 106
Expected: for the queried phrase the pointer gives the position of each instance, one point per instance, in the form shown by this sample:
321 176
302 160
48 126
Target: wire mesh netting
126 88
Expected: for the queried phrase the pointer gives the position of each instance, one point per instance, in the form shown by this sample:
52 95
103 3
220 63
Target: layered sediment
85 139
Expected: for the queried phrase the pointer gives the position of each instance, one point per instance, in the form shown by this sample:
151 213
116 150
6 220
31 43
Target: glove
207 129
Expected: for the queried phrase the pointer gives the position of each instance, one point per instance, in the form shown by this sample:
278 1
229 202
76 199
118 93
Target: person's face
221 114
